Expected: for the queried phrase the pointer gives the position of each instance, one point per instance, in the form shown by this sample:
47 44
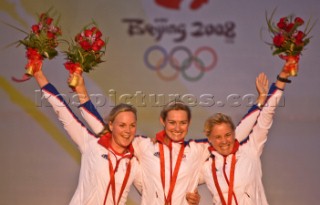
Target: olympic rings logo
180 66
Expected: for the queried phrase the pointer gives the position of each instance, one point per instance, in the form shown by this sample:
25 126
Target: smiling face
123 129
176 124
222 138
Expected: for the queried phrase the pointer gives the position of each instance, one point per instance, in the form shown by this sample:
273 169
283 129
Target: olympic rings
172 60
147 53
167 78
198 77
184 65
214 58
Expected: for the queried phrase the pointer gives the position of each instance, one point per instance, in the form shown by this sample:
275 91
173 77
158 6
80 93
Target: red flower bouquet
288 40
85 52
40 43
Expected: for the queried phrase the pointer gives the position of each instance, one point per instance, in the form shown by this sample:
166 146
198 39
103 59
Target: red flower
88 33
287 39
98 34
278 40
96 31
99 42
35 29
300 35
299 21
43 36
78 38
49 21
95 47
71 66
85 45
298 38
289 27
41 43
50 35
33 54
87 48
282 24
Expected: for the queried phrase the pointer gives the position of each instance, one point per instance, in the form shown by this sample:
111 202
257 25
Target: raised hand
80 87
262 86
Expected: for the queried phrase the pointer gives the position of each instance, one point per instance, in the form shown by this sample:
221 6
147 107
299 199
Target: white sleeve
73 126
92 117
137 182
264 122
246 124
140 144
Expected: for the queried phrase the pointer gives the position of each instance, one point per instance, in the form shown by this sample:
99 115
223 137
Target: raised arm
265 119
246 124
80 89
40 78
87 109
76 130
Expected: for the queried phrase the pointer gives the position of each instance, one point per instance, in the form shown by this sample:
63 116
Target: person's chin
225 152
177 138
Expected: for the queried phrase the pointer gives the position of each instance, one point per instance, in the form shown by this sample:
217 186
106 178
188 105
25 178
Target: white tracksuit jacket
248 186
94 173
195 154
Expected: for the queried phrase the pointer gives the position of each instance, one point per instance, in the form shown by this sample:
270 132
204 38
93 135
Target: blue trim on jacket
54 92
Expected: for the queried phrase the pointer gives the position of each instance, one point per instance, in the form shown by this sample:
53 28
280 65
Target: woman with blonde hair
233 173
108 166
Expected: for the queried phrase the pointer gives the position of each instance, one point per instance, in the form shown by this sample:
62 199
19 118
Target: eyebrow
177 120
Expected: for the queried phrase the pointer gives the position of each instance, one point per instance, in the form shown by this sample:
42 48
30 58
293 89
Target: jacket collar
162 136
105 141
234 150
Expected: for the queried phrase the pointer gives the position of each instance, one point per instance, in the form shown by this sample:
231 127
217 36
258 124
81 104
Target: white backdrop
40 165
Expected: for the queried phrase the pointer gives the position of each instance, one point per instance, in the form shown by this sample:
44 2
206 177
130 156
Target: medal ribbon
113 184
175 172
231 184
105 141
232 170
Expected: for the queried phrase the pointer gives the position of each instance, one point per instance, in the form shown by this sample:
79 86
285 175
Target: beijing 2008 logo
173 58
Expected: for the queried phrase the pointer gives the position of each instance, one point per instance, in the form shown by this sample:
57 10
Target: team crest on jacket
104 156
157 154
